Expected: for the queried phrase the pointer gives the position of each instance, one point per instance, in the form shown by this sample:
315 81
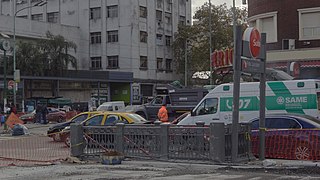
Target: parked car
288 136
55 115
54 130
106 118
29 117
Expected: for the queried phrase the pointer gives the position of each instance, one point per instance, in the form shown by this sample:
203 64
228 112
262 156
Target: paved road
153 170
134 169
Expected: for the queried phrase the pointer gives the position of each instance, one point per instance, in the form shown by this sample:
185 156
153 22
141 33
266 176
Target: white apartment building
111 35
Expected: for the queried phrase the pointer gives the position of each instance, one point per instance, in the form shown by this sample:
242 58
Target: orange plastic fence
31 150
289 144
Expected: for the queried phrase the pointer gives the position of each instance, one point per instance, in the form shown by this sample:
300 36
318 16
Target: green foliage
45 57
198 37
55 48
29 58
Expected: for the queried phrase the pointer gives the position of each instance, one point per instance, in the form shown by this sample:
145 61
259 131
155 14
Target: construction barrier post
217 142
77 139
119 137
164 141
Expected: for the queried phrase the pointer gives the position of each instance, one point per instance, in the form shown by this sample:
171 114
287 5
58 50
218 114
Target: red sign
10 84
222 58
252 35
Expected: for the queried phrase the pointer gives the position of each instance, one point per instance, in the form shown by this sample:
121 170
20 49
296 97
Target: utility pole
210 44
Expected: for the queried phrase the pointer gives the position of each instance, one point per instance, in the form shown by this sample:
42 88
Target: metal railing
161 141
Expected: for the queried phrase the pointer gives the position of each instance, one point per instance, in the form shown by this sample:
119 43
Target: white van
111 106
293 96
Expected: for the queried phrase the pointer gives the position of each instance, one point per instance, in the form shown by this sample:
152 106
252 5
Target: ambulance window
208 106
318 98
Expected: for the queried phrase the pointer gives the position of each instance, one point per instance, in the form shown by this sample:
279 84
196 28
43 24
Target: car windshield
104 108
137 118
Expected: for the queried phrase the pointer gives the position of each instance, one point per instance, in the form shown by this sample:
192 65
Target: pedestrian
13 109
163 113
44 112
38 113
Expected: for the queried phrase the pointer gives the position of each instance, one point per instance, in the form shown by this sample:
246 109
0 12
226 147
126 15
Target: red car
55 115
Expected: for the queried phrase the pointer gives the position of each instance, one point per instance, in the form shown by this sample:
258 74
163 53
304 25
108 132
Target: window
143 62
159 16
309 24
159 39
36 17
96 63
95 121
182 20
53 17
95 13
159 63
168 65
112 36
112 11
158 100
266 23
159 4
168 19
111 120
113 62
208 106
25 17
80 118
95 38
143 36
281 123
168 40
143 12
169 5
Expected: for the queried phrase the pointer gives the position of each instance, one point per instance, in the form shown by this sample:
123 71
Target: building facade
293 34
118 36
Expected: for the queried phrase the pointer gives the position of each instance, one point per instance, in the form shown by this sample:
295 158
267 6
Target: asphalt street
74 169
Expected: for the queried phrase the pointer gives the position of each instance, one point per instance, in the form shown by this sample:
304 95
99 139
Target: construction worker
163 113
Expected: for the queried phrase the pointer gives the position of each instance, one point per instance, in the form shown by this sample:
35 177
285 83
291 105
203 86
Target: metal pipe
210 44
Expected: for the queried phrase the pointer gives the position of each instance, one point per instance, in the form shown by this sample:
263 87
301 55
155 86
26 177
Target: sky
198 3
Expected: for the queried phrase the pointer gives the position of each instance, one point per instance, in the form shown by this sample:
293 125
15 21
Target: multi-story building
124 46
293 34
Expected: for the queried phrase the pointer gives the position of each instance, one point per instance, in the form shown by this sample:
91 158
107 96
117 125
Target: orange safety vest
163 114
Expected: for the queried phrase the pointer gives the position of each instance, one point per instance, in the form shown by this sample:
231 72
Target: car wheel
302 153
67 141
56 137
60 119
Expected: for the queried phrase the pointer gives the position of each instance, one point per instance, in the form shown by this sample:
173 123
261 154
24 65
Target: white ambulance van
292 96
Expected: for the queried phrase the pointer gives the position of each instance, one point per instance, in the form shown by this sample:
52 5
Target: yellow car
106 118
54 130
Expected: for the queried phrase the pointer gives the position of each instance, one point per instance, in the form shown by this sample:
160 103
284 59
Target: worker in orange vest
163 113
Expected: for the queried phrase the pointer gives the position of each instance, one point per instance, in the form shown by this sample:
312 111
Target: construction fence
31 150
162 141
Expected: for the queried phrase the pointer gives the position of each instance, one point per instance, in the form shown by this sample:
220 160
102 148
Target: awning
303 64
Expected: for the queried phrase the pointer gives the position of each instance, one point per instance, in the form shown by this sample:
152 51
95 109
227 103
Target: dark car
54 130
288 136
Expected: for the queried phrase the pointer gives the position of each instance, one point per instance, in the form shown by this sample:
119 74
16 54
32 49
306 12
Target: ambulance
292 96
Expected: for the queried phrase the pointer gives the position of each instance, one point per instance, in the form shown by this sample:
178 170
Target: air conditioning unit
288 44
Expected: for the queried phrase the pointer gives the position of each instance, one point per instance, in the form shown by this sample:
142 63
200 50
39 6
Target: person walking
44 112
38 113
163 113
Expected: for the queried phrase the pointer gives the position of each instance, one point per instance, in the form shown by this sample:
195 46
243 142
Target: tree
198 36
29 59
55 49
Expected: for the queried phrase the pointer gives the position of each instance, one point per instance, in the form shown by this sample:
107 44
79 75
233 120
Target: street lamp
41 3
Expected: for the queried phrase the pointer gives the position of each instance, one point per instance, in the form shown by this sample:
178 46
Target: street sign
10 84
252 66
251 43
